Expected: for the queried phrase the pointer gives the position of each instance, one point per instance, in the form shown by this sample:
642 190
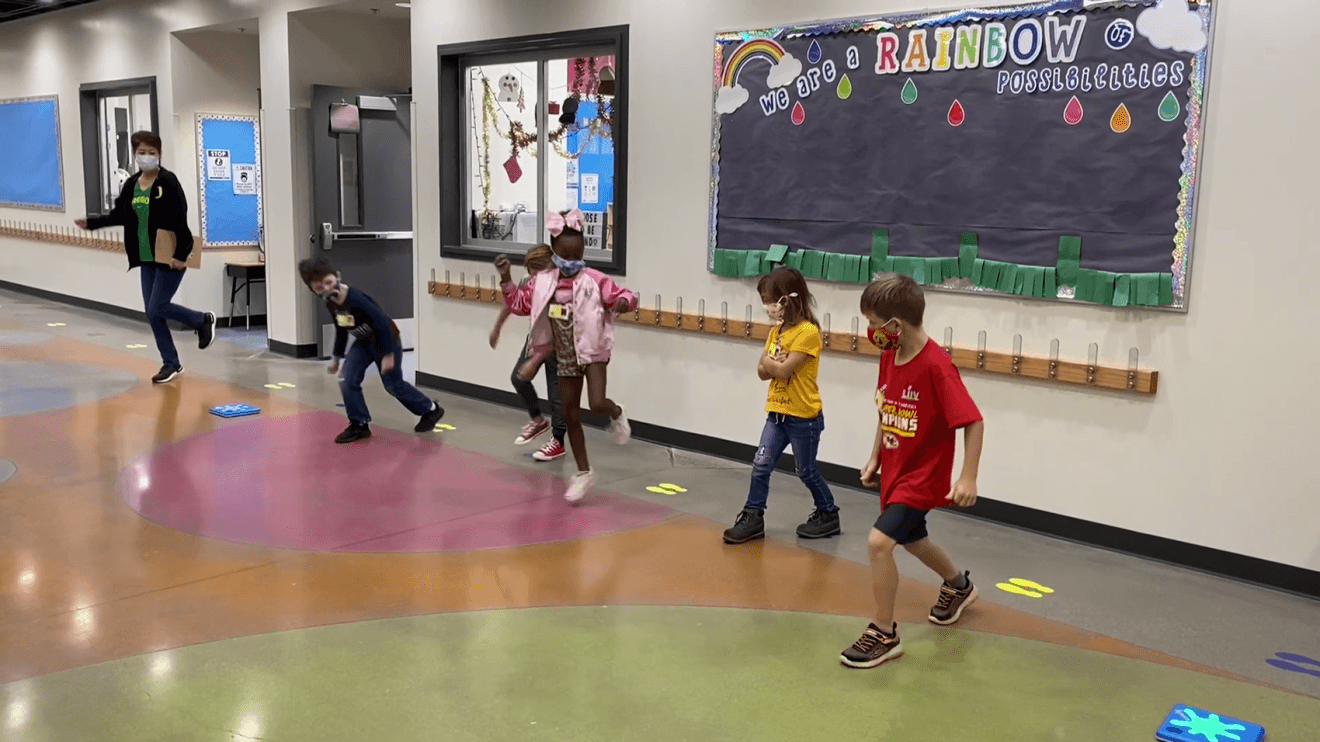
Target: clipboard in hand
165 244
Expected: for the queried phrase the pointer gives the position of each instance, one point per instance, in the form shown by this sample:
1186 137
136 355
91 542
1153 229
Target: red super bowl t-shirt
922 403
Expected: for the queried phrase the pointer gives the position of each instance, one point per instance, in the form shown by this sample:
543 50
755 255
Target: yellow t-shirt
799 396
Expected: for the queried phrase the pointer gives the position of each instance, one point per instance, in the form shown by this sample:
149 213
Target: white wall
1220 457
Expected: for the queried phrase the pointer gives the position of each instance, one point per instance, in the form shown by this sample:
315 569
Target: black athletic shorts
903 523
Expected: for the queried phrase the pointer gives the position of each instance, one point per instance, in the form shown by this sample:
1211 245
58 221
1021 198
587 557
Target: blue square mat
1187 724
234 410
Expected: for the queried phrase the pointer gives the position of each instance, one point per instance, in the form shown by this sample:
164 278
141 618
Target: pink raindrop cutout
799 114
956 114
1073 112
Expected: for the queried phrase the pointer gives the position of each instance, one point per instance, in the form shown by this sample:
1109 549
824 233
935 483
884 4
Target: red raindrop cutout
799 114
1073 113
956 114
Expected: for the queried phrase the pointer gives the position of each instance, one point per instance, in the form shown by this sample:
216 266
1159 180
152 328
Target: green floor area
625 673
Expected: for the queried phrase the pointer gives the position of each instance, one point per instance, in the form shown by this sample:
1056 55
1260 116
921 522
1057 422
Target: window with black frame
111 113
533 126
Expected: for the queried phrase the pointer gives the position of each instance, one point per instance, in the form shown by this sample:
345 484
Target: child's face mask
326 286
569 268
776 310
882 337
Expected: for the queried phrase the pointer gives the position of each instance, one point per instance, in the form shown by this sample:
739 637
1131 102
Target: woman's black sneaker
820 525
749 526
428 421
206 333
353 433
167 373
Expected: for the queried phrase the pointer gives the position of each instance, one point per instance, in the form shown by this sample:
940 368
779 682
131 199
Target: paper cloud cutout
785 72
1170 25
728 100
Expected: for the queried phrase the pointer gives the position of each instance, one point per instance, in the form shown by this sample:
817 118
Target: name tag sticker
558 311
344 320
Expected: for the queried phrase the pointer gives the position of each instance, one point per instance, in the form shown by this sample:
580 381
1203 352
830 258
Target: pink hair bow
557 222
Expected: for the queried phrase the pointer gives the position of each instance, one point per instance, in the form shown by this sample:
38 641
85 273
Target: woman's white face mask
147 163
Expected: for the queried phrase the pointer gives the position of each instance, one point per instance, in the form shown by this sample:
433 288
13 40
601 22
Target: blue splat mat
234 410
1187 724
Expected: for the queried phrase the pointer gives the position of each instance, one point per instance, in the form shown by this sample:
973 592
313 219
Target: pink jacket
594 298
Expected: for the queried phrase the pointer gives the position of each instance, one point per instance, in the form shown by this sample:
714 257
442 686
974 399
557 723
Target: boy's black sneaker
952 601
353 433
428 421
206 333
167 373
873 649
750 525
820 524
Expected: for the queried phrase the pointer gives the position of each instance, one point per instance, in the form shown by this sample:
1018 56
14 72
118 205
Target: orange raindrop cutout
1121 121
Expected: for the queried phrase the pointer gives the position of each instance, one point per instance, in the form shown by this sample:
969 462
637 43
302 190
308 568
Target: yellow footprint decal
55 324
135 346
1019 586
443 427
666 489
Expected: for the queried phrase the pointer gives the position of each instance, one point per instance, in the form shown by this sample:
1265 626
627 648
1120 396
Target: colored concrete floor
171 575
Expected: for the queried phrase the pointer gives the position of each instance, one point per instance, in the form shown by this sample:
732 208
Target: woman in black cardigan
151 200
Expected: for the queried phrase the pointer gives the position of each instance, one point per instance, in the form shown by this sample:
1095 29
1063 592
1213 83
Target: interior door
362 198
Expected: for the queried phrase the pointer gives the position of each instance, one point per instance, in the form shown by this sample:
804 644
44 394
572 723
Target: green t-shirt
142 207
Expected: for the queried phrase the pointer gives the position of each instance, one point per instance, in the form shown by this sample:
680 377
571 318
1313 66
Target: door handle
330 236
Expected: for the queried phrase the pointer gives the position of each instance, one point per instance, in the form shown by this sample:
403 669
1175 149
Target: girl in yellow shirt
789 362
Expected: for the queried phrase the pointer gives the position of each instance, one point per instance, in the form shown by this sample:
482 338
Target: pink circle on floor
283 482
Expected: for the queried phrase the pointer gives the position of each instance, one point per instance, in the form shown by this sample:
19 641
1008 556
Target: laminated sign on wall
217 164
593 230
245 180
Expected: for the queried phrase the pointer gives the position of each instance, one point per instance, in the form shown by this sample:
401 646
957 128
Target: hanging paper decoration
512 167
909 92
813 54
799 114
956 114
1121 121
1170 107
845 87
510 88
1073 112
522 101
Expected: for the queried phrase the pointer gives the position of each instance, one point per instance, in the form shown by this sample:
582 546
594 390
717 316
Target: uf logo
1119 34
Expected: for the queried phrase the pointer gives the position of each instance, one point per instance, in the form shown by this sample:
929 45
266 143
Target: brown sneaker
873 649
952 601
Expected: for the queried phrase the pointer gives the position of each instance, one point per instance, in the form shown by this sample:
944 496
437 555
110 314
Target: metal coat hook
462 285
856 325
1133 356
1017 354
980 350
1092 358
825 336
724 322
657 310
448 285
747 322
678 313
494 289
701 315
1054 358
948 341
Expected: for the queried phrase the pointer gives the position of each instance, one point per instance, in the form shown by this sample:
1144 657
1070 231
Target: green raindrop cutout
1169 107
845 87
909 92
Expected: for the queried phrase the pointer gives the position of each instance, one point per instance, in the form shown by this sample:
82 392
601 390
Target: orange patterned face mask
882 337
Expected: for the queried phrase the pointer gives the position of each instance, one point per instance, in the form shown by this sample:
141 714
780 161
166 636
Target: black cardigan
169 210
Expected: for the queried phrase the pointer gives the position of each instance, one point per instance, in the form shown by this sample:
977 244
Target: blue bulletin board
229 180
31 173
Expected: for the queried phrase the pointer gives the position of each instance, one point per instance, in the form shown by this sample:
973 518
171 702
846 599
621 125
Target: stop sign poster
1046 150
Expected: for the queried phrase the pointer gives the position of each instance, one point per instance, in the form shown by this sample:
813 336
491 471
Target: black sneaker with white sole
873 649
206 333
167 373
353 433
820 524
428 421
948 609
750 525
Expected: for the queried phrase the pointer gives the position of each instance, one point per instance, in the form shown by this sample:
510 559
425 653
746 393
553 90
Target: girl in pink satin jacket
572 311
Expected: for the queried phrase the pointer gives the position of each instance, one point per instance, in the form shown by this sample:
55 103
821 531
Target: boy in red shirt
922 402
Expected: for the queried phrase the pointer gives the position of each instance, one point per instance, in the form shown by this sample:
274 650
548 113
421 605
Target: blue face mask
568 267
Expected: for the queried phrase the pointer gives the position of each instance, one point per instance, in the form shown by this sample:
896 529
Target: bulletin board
229 178
1049 150
31 169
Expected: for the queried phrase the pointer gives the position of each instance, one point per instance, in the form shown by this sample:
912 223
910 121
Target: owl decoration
510 89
